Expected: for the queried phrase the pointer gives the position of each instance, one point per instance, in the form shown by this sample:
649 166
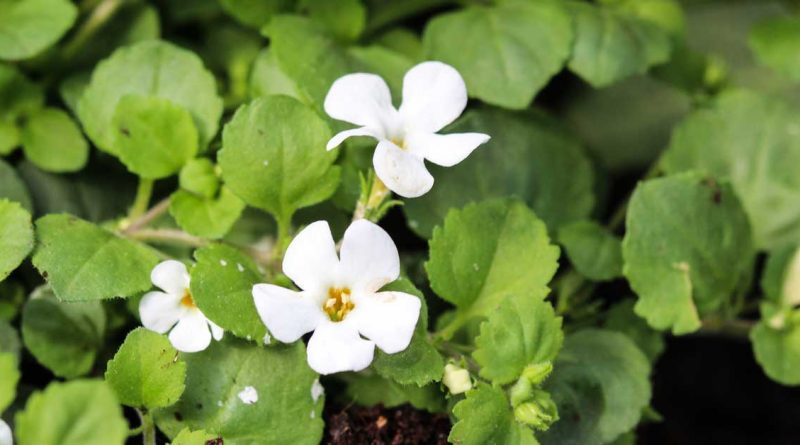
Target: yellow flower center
338 304
187 301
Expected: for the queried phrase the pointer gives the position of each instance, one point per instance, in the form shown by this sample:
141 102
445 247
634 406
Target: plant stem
142 221
735 328
148 427
367 205
99 16
142 199
168 236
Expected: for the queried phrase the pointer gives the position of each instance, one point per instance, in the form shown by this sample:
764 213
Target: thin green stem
99 16
370 205
734 328
148 427
148 217
142 199
167 236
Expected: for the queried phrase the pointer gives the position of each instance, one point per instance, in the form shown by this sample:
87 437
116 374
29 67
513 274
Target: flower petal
192 333
160 311
388 319
339 137
216 331
446 150
434 94
362 99
401 171
311 260
171 276
369 258
337 347
286 313
5 434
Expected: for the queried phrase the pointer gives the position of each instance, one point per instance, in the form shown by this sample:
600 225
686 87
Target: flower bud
456 379
537 372
540 412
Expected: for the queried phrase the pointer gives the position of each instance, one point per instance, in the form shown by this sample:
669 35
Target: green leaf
18 95
273 156
12 187
285 411
522 331
254 13
28 27
146 371
12 297
8 384
222 287
81 411
529 156
777 350
198 176
188 437
206 217
622 318
9 137
149 68
9 339
687 245
64 337
601 385
368 389
16 236
485 417
775 41
613 43
757 159
53 141
510 52
82 261
594 251
418 364
486 252
153 136
344 18
781 278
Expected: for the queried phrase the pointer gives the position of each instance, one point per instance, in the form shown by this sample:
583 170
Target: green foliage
371 389
510 51
686 248
146 371
16 236
522 331
82 261
53 141
254 13
485 416
622 318
285 411
206 217
81 411
273 156
512 256
198 176
188 437
776 345
594 251
12 187
29 27
775 41
344 18
10 373
63 336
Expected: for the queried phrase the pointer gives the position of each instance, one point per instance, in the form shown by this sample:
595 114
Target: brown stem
148 217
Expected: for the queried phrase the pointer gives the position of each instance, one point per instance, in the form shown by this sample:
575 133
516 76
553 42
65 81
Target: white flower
160 311
434 95
339 299
456 379
5 434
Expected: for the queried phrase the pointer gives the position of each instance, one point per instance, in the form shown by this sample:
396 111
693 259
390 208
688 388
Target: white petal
216 331
171 276
401 171
311 260
160 311
388 319
287 314
339 137
192 333
369 258
337 347
446 150
362 99
5 434
434 94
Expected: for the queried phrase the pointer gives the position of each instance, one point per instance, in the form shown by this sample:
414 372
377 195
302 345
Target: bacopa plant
232 221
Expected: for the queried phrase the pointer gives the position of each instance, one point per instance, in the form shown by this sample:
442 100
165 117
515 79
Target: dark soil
404 425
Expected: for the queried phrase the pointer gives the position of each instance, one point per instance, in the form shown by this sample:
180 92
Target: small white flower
160 311
339 299
434 95
456 379
5 434
248 395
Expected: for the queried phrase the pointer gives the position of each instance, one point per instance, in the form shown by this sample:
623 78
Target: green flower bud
540 412
456 379
199 177
521 392
537 372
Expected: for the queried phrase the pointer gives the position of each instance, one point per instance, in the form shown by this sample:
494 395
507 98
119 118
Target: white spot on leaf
267 339
248 395
240 267
223 263
317 390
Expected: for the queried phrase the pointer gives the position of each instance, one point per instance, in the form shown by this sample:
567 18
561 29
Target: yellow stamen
338 304
187 300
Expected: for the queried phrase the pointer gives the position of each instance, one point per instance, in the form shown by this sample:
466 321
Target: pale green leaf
188 437
594 251
775 42
53 141
8 384
28 27
198 176
344 18
254 13
206 217
16 236
777 350
370 389
12 187
485 417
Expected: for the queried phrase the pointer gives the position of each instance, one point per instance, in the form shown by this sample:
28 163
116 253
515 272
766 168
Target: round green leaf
286 411
18 95
16 236
273 156
53 141
529 157
778 351
687 245
188 437
522 331
206 217
82 261
594 251
79 412
153 137
30 26
775 42
64 337
149 68
344 18
9 137
510 51
198 176
485 252
622 318
757 159
222 286
12 187
254 13
485 417
8 384
369 389
146 371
